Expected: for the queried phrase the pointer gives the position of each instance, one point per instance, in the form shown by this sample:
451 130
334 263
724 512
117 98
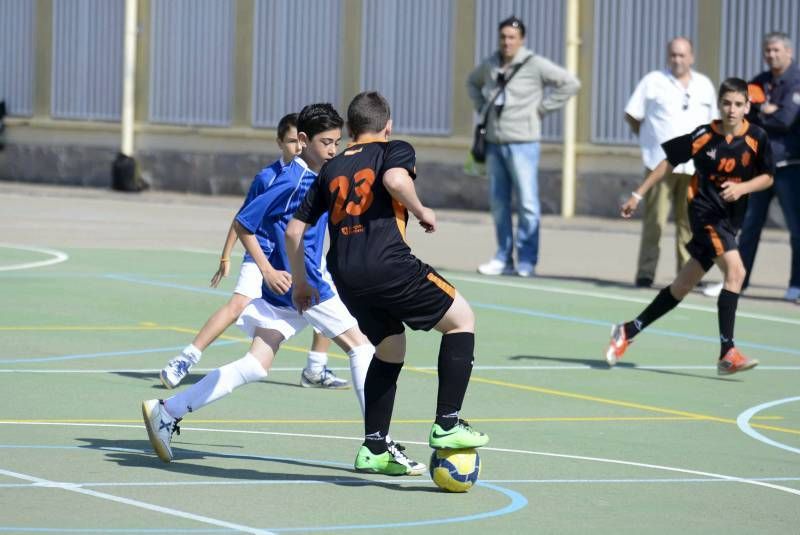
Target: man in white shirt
666 104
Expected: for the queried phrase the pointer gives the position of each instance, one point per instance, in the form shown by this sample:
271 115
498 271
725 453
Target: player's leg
248 287
456 357
162 416
622 334
730 359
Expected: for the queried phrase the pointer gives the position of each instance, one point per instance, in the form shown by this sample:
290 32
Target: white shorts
250 279
330 317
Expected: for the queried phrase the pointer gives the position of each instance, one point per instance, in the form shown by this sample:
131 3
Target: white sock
316 362
192 353
360 357
217 384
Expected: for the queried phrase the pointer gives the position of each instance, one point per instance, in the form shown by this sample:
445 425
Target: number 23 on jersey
362 188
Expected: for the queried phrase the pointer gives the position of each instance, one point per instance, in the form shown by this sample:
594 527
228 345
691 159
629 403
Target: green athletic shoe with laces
460 436
384 463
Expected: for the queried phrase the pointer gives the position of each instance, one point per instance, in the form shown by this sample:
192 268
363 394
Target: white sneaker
176 370
160 427
792 293
712 290
325 379
413 468
495 267
525 269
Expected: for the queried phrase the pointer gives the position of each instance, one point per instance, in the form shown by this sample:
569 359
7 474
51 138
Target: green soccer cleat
461 436
384 463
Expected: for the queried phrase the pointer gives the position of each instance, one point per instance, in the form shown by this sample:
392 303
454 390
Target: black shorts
710 239
419 302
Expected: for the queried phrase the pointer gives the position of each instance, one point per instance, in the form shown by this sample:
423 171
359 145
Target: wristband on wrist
636 196
224 259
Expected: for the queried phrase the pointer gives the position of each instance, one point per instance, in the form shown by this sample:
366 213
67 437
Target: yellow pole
570 115
129 77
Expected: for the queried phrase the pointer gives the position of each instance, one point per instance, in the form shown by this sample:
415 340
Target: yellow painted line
359 421
606 401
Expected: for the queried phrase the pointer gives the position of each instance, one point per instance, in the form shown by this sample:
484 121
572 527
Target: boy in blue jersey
248 286
272 319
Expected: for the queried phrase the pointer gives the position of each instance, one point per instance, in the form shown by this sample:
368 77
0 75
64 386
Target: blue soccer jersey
260 183
271 212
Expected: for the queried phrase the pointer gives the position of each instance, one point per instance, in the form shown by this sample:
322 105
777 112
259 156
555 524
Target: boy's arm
401 187
304 296
653 178
278 282
733 191
225 257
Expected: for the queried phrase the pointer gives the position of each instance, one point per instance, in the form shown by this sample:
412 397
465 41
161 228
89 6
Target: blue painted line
106 354
502 308
606 324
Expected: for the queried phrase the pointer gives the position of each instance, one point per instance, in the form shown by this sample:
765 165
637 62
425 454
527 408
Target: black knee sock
663 303
726 314
380 386
455 367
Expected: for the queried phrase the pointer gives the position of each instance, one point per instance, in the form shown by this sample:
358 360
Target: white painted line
743 421
71 487
612 297
712 475
58 257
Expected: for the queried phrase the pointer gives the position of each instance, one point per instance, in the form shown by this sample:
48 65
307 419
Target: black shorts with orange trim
419 302
710 238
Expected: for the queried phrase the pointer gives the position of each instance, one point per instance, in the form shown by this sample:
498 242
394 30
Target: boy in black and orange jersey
368 191
732 159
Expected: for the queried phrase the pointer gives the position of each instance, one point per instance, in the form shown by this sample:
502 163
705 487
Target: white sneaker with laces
413 468
495 267
160 427
176 371
712 290
325 379
792 293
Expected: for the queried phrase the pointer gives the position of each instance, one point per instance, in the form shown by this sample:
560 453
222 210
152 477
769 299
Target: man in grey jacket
516 106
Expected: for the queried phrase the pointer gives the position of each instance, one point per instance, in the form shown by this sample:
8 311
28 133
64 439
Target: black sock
455 367
380 386
663 303
726 314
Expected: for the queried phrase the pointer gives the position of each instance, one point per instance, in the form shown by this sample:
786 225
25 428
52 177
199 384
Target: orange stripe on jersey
700 142
400 217
693 185
715 241
446 288
752 143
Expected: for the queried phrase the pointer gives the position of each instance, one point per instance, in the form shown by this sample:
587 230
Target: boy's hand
278 282
629 207
304 296
427 219
224 269
732 191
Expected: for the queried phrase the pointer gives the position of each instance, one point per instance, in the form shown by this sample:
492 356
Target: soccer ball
455 470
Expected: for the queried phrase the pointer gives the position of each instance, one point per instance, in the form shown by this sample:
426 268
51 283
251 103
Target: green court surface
659 444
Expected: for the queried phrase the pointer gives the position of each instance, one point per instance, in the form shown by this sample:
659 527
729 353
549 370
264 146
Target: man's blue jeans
787 188
514 166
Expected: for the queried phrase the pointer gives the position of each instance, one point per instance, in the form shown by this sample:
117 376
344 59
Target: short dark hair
287 121
317 118
368 112
513 22
733 85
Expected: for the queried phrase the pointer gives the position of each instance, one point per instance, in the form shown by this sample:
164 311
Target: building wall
214 76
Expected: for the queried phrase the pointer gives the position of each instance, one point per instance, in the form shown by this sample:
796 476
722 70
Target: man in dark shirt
732 159
368 191
776 109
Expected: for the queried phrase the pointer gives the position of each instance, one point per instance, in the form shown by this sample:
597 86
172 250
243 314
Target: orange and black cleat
618 345
734 362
